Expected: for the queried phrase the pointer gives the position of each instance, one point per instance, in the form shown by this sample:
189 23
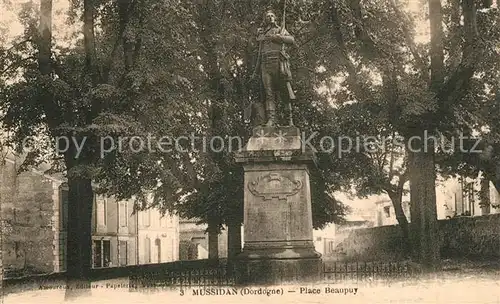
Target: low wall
372 244
471 237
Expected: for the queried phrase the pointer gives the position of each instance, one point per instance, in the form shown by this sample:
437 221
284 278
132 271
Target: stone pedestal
278 231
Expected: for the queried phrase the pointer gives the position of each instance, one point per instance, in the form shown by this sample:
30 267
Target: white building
460 197
158 237
385 214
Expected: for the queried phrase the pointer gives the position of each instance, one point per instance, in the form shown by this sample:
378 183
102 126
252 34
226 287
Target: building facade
114 233
158 237
29 214
385 214
34 214
461 197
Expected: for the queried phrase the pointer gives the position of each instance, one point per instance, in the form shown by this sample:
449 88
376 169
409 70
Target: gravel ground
453 286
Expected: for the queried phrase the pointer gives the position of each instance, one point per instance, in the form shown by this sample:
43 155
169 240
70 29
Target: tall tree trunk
79 237
89 41
127 39
484 196
213 241
233 238
424 236
396 199
421 166
436 47
216 111
79 234
81 194
44 48
455 34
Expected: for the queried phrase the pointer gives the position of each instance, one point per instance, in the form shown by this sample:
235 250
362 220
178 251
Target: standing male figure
275 68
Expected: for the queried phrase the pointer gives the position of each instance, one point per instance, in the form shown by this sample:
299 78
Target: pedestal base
278 271
279 245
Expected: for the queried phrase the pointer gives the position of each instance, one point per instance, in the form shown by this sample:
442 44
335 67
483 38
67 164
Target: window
123 253
101 253
158 249
163 221
146 218
123 214
105 210
455 200
17 252
387 211
101 211
147 250
468 199
64 202
331 246
97 253
62 252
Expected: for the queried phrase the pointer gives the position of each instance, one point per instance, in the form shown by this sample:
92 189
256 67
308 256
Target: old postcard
291 151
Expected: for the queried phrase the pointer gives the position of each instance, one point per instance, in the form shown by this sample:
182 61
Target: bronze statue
275 68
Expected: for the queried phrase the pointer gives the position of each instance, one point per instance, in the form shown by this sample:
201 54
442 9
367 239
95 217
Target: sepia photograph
241 151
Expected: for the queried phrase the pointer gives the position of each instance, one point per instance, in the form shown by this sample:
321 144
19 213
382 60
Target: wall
460 237
28 211
471 236
379 243
385 214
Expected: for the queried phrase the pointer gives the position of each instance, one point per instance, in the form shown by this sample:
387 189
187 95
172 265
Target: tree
67 93
434 96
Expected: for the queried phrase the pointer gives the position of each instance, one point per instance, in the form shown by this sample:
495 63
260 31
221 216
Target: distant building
326 240
385 214
461 197
122 238
114 233
158 237
193 243
34 218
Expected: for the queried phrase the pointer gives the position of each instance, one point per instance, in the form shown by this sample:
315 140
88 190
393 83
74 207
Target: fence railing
186 273
199 273
366 271
219 273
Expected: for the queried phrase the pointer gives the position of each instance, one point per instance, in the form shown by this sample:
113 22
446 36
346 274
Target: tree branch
15 45
456 86
124 18
420 62
16 64
89 41
352 79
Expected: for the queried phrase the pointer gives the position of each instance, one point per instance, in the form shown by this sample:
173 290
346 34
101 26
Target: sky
10 9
